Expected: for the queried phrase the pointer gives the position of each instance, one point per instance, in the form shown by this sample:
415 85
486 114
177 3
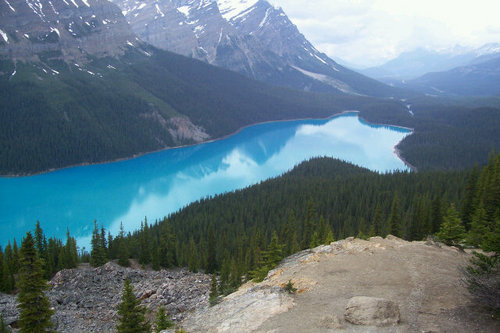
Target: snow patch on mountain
230 9
10 6
4 36
337 84
184 10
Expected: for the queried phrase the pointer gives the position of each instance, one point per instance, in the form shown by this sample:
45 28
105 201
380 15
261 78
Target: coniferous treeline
53 255
74 118
245 233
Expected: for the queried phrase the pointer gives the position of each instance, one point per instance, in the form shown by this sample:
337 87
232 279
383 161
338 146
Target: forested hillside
243 234
117 107
447 134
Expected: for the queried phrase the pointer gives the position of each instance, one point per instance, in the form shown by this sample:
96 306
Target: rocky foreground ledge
353 285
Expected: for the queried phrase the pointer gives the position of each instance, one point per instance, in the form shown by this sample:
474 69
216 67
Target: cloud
369 32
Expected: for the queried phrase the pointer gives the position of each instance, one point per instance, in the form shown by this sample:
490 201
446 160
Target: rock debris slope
86 299
413 283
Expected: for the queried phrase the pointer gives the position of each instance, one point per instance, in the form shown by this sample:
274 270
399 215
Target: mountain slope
413 64
248 36
478 79
71 97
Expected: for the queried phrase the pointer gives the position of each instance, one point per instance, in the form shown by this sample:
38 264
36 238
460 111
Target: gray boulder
371 311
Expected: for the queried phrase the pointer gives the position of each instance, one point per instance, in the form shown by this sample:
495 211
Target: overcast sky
370 32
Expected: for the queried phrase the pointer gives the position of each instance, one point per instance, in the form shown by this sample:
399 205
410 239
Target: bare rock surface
86 299
421 278
371 311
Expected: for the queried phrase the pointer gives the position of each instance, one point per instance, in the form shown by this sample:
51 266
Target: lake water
157 184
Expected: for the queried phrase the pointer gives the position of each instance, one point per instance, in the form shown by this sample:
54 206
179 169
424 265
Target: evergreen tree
3 327
214 293
436 214
131 313
478 227
34 306
70 257
145 252
452 230
162 321
122 248
470 200
193 256
155 255
211 257
378 221
315 240
225 272
330 237
98 251
2 273
270 258
394 221
309 223
322 230
168 247
492 240
234 276
15 257
39 241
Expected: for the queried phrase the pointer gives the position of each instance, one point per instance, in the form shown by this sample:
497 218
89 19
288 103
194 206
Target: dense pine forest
242 234
51 122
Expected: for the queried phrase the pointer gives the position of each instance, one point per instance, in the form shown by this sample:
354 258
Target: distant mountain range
459 72
413 64
251 37
78 86
477 79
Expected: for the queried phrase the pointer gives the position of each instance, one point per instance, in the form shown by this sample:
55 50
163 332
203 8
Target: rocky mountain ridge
247 36
480 78
413 64
69 30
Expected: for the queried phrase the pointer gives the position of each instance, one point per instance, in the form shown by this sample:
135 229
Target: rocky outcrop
405 287
86 299
371 311
243 312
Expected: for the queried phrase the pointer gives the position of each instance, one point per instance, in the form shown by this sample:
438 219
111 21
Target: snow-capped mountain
36 30
248 36
481 78
412 64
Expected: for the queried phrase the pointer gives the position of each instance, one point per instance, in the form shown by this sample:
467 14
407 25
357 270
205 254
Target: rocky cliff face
248 36
36 30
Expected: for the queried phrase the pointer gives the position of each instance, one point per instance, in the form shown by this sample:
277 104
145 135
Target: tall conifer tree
33 304
132 319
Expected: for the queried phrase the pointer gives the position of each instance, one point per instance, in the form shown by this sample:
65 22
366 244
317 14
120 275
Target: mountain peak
251 37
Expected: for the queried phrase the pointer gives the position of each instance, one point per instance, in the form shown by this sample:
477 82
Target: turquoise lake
157 184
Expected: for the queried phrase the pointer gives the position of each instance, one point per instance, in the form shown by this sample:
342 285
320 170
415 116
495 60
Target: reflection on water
158 184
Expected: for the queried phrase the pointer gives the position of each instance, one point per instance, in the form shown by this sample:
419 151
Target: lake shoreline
122 159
